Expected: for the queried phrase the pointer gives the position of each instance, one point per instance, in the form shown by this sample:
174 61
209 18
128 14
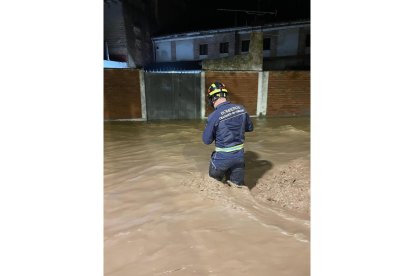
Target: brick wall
122 98
242 87
288 93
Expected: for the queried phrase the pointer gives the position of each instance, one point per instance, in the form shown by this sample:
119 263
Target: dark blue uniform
226 125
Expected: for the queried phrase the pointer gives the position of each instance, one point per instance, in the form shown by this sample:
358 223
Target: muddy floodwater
163 214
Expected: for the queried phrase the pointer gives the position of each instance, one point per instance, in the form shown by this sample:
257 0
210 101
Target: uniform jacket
226 125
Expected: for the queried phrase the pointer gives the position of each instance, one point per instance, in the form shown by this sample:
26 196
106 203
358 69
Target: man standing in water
226 125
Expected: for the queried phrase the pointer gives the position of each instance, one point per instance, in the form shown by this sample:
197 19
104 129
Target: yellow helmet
217 87
215 91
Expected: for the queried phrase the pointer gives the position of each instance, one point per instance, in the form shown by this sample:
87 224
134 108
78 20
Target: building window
307 40
203 49
266 43
224 48
245 45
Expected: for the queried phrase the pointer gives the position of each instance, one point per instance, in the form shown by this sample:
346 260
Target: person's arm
209 132
248 124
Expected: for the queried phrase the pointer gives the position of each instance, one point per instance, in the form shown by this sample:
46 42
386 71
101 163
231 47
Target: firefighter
226 126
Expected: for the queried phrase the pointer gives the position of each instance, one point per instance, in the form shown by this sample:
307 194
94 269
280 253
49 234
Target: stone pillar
203 94
142 88
262 89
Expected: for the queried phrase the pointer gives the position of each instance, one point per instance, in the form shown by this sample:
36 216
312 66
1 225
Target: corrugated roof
174 66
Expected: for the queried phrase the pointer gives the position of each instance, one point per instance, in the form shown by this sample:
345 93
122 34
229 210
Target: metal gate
172 95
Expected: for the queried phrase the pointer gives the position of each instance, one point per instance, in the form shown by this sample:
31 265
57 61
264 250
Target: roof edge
225 30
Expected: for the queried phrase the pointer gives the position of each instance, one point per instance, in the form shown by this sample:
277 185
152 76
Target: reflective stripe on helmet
217 91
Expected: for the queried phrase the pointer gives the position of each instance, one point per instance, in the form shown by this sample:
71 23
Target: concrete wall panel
163 51
287 44
184 50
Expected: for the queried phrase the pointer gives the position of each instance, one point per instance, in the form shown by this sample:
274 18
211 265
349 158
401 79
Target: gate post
203 94
262 88
142 88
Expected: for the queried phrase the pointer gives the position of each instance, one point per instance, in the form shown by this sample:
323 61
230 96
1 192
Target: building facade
285 45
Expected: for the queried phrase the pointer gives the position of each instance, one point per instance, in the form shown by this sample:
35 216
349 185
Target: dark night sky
191 15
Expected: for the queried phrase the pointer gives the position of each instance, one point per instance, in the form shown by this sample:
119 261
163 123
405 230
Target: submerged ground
163 214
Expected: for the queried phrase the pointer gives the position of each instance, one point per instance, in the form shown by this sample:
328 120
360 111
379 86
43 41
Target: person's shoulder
240 106
212 116
235 104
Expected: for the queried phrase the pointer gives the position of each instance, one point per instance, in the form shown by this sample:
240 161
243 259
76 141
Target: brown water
164 215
